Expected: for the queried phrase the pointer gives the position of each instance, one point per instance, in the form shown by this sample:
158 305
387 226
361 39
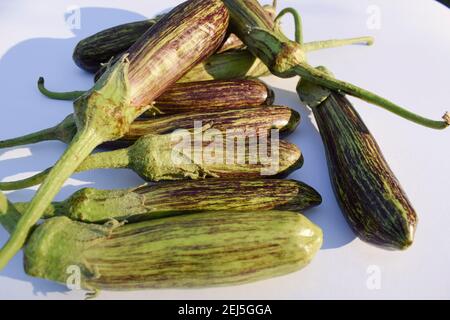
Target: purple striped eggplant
183 197
192 96
264 118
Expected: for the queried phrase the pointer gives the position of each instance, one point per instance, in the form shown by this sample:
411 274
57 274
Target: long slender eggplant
184 155
284 119
94 51
187 35
361 176
192 96
183 197
370 195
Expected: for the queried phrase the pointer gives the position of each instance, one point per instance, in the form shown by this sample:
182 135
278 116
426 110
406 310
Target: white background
409 64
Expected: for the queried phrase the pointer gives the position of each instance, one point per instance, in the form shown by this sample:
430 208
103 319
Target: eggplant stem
102 160
324 79
326 44
35 137
82 145
297 21
65 96
25 183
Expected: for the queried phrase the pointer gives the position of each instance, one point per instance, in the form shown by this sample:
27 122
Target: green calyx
155 159
107 106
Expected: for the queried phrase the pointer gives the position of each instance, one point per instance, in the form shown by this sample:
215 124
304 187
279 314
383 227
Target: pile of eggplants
203 224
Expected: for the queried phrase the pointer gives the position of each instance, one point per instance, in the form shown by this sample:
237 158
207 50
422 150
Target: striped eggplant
192 96
199 250
183 197
189 251
368 192
184 37
94 51
185 155
284 119
233 64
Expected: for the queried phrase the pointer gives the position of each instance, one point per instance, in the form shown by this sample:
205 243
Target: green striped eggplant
199 250
187 35
183 197
184 155
370 196
189 251
232 64
282 118
192 96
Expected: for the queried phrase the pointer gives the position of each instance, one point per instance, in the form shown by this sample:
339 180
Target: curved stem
101 160
322 78
297 21
25 183
66 96
35 137
319 45
82 145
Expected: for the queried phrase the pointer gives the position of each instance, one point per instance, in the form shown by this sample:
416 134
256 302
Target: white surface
409 64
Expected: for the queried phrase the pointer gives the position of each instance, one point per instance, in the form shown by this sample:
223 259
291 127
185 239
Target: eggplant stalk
286 58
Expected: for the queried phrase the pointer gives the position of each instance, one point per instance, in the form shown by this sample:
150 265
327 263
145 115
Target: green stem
322 78
319 45
297 21
9 217
102 160
70 96
82 145
25 183
39 136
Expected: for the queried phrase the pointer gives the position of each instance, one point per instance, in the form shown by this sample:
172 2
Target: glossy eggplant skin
367 190
202 95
